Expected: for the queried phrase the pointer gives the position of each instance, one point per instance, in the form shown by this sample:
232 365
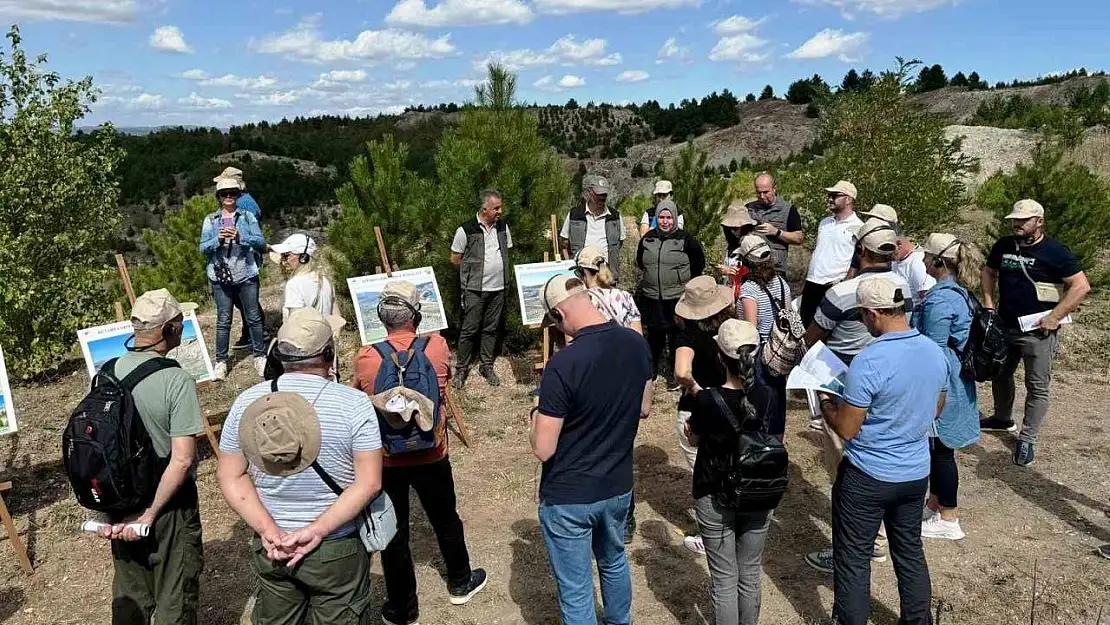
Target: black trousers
435 487
812 294
482 322
662 358
860 503
944 475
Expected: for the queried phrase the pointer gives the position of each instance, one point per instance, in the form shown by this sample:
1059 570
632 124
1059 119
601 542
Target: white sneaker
937 527
220 370
694 543
260 366
928 513
817 424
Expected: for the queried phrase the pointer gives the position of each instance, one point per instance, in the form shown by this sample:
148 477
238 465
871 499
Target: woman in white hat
306 286
945 316
763 294
592 266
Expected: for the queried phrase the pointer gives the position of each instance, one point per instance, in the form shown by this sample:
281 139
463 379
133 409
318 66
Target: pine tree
959 80
700 192
851 82
768 93
178 265
750 97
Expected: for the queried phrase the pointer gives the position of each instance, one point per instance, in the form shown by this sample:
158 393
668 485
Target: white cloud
194 101
566 51
459 13
548 83
848 47
571 82
745 49
169 39
671 51
339 75
632 75
281 98
562 7
304 43
149 101
882 8
736 24
194 74
111 11
240 82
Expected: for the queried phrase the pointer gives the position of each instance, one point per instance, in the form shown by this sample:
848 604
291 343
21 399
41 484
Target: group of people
302 456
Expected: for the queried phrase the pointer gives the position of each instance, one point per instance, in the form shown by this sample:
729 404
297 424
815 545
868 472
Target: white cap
155 309
560 288
224 183
942 245
734 334
844 188
878 236
879 294
884 212
1024 209
293 244
307 331
663 187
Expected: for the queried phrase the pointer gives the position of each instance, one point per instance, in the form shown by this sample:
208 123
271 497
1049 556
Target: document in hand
1029 323
820 370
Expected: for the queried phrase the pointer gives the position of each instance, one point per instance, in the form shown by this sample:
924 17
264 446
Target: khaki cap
280 434
878 236
229 172
734 334
844 188
154 309
879 294
754 248
590 257
942 245
224 183
558 289
884 212
309 332
1024 209
737 215
663 187
402 290
702 298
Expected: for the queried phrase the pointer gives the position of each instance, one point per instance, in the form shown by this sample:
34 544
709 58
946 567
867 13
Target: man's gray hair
395 315
486 194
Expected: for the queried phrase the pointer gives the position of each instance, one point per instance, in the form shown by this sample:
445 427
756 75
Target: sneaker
629 531
392 620
220 370
817 424
490 375
937 527
1104 551
821 561
928 513
878 553
694 543
461 594
997 425
460 378
1023 454
260 366
244 343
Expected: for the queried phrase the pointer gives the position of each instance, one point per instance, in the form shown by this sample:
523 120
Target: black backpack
984 356
106 450
755 477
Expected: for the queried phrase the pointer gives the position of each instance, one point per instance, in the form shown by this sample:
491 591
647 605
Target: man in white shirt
307 287
832 254
909 262
594 224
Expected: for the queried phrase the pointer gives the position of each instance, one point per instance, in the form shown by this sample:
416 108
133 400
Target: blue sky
219 63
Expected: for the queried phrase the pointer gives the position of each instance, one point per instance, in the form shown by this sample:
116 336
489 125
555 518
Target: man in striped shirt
279 437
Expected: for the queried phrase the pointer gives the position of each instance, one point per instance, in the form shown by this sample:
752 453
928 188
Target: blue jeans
575 532
225 296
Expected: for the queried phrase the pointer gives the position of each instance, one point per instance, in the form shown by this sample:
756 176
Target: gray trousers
1036 350
482 312
734 550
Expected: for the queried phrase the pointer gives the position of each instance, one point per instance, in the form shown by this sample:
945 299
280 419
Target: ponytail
968 263
604 275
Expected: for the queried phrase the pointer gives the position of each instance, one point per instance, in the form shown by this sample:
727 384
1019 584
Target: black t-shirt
1048 261
595 385
717 439
706 369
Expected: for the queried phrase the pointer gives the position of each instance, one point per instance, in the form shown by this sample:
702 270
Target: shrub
179 266
700 193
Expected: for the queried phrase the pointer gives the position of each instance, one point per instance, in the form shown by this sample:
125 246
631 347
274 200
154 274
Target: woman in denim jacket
945 316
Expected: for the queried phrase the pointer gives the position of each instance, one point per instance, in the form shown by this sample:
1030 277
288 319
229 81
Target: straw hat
702 298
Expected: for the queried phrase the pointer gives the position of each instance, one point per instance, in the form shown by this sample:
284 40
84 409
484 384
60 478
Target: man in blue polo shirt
592 397
895 389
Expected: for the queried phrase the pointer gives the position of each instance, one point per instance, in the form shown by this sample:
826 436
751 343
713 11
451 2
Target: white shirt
832 256
646 221
595 229
308 290
912 268
493 269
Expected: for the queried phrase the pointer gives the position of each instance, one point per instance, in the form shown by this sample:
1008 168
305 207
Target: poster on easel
530 280
7 409
366 292
103 343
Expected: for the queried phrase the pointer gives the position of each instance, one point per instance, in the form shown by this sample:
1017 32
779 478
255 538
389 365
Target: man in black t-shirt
1039 283
593 394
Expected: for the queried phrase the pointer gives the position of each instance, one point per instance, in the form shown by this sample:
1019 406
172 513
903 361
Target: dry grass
1094 152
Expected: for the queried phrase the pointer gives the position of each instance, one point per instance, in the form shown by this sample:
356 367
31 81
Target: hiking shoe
694 543
260 366
1104 551
1023 454
629 531
393 620
243 343
219 372
878 553
490 375
994 424
821 561
461 594
460 378
937 527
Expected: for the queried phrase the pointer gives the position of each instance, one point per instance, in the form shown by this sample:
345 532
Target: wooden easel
13 534
453 411
547 336
210 431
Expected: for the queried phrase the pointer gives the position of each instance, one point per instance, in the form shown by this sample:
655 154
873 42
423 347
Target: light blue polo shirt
897 378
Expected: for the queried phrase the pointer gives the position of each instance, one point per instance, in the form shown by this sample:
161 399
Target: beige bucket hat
702 298
280 434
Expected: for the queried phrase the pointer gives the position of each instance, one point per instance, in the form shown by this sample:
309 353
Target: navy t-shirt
1048 261
595 385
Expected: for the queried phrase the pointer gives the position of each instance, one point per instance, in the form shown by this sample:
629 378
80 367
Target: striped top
348 424
765 313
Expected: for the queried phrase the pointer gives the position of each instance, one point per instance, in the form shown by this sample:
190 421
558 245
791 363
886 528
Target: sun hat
224 183
154 309
879 294
877 236
754 248
401 406
884 212
280 434
293 244
308 332
590 257
1024 209
702 298
232 172
942 245
843 187
663 187
737 215
734 334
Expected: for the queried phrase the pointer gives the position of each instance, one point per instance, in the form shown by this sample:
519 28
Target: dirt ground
1048 517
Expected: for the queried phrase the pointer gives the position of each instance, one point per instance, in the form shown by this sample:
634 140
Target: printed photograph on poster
7 408
103 343
530 280
366 291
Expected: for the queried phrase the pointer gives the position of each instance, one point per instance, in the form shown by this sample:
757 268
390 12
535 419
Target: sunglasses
223 194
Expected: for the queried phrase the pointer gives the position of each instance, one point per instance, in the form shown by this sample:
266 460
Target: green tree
179 266
700 193
750 97
498 92
931 79
959 80
58 212
975 83
768 93
807 90
851 81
